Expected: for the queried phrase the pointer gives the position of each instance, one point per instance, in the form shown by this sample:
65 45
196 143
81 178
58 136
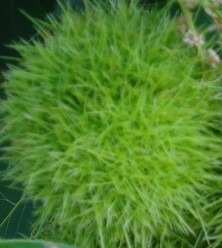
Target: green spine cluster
114 126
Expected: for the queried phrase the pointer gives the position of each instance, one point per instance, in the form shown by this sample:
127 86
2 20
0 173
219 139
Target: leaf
31 244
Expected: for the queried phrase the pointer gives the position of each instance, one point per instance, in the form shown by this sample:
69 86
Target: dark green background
13 25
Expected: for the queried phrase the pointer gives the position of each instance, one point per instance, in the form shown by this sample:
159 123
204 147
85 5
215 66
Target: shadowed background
14 25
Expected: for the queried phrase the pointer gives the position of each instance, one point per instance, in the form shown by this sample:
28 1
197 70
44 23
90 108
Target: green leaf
31 244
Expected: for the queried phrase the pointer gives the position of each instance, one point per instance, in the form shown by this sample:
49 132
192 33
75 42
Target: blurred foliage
31 244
